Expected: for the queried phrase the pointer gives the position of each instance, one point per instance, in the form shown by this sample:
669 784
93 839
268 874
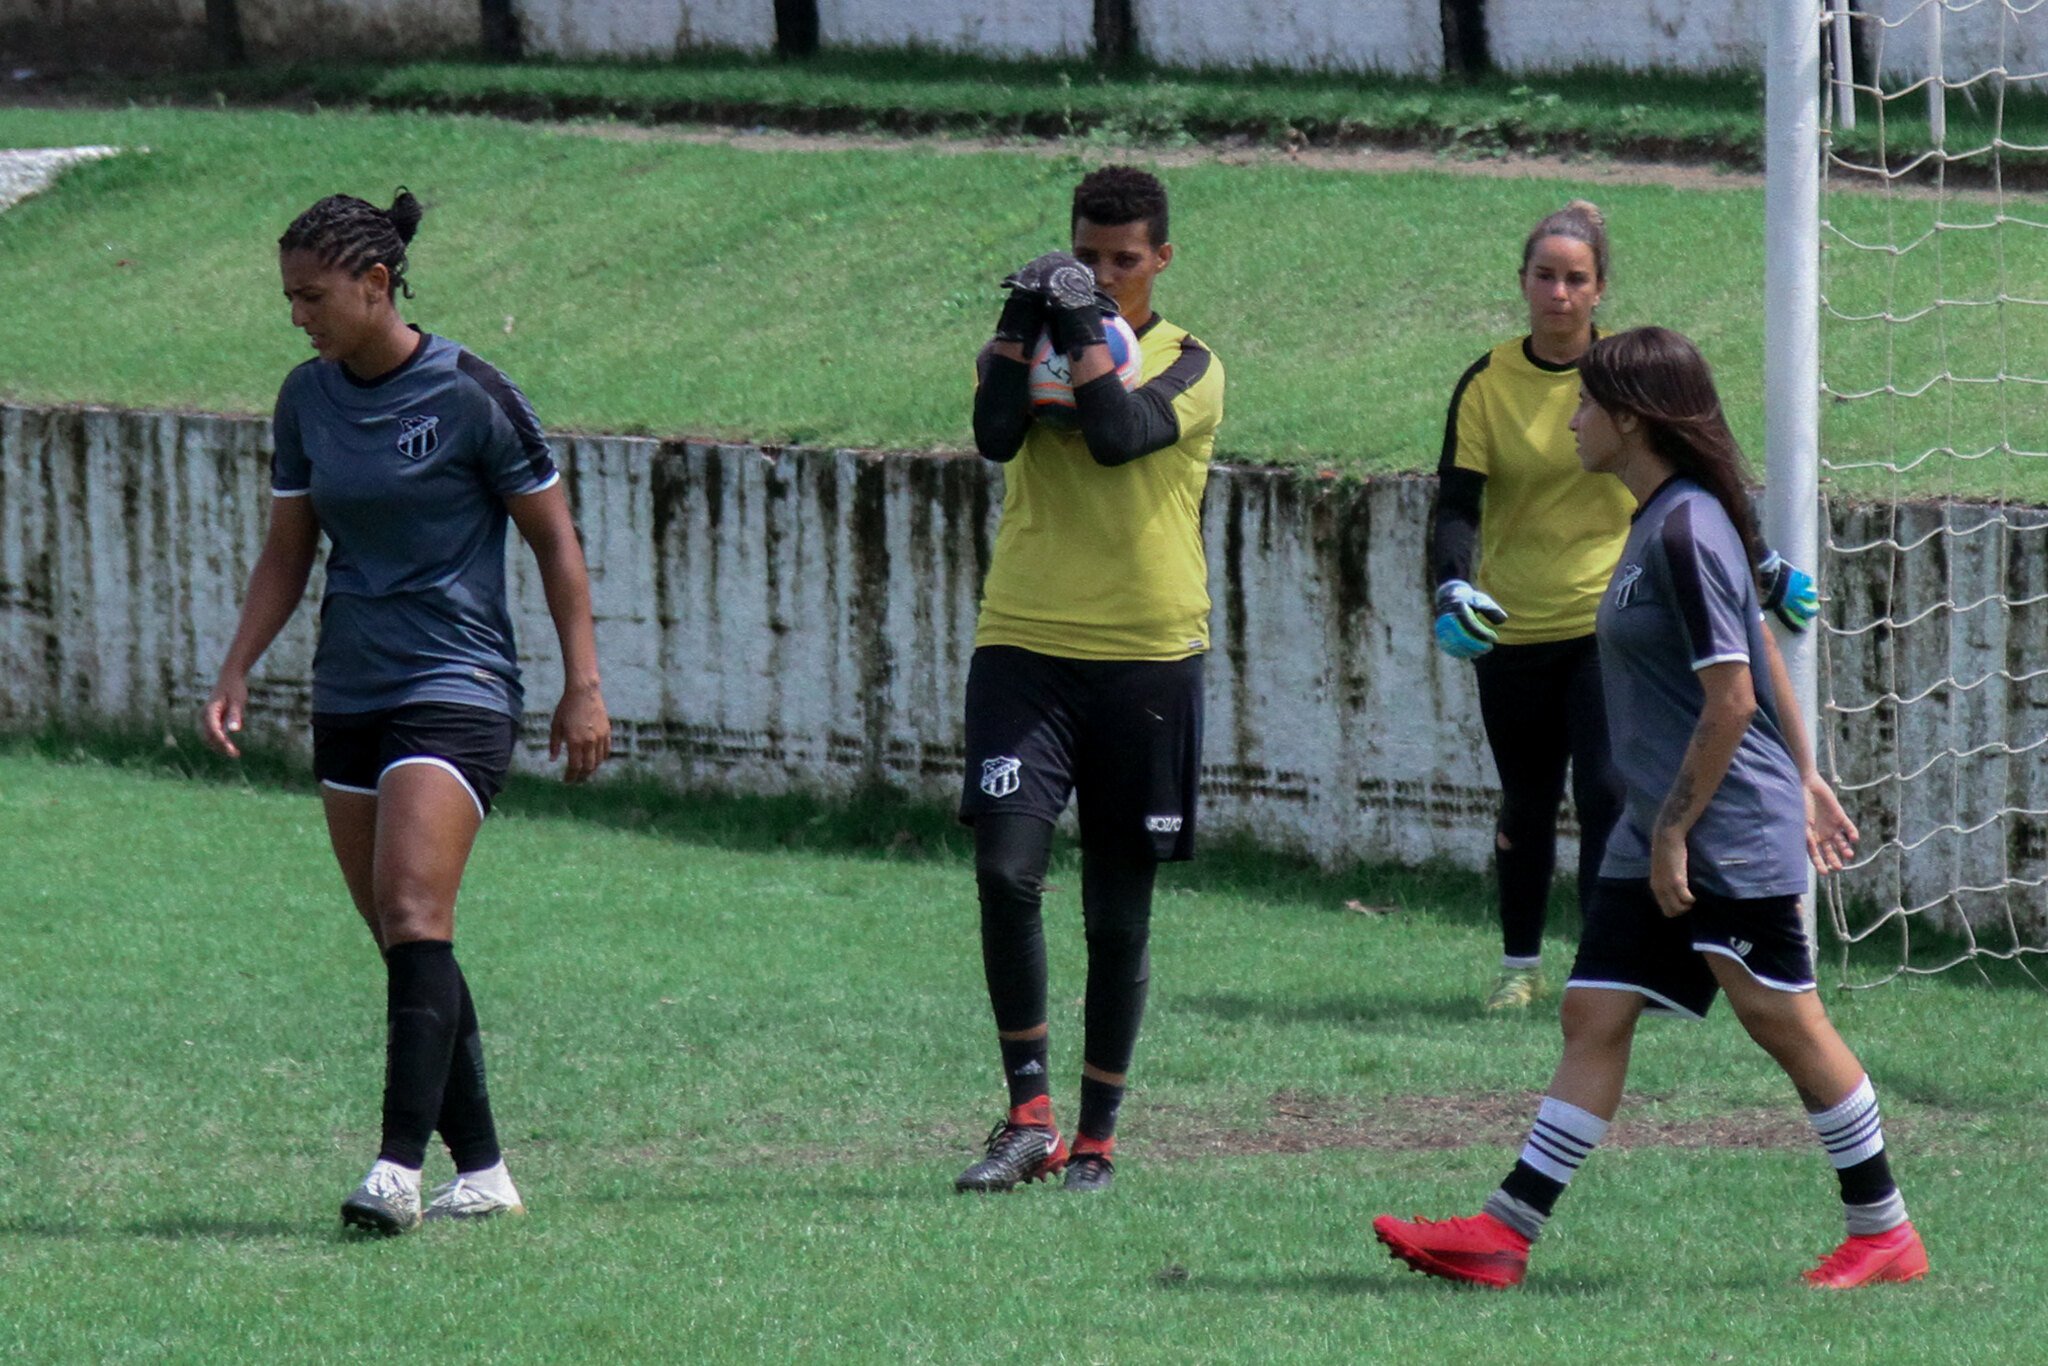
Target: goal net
1933 655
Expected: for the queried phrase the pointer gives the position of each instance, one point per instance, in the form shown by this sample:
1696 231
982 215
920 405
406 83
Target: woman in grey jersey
1722 811
410 455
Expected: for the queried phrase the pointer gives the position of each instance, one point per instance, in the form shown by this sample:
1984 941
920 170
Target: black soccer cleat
1090 1169
382 1205
1022 1148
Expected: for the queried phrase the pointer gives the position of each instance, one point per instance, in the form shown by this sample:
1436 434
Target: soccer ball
1052 380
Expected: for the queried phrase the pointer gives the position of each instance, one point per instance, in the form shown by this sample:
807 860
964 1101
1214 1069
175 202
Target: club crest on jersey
999 776
418 435
1625 584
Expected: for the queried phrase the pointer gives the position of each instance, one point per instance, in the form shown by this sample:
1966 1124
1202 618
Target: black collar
419 347
1655 494
1549 366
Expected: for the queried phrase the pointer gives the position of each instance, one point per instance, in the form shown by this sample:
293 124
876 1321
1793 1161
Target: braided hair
353 234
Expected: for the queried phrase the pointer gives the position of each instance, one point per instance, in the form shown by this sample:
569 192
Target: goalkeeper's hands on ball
1073 306
1788 592
1465 618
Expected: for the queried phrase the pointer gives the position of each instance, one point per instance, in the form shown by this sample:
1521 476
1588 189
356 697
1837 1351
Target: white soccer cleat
483 1195
387 1202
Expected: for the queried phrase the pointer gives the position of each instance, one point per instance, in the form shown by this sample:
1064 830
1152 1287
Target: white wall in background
1399 36
1045 28
1973 41
644 28
1695 35
802 621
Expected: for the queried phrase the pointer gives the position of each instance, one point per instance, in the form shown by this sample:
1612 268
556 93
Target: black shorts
352 751
1122 736
1630 944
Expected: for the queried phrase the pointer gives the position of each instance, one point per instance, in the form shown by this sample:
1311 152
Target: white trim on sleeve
289 493
1699 664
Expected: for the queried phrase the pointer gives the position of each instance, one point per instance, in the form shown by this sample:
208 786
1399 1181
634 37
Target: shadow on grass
194 1229
718 1196
1328 1283
887 825
1394 1280
1361 1009
882 824
191 1228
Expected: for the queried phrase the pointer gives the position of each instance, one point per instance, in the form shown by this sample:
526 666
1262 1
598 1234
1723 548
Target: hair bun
405 214
1589 209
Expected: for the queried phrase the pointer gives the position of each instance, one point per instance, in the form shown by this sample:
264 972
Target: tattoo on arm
1678 801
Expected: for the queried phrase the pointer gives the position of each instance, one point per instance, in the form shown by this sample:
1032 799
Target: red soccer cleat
1479 1250
1871 1259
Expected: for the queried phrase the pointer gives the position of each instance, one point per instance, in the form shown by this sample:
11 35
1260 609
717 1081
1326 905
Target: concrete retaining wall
1396 36
1973 41
1000 28
1682 35
643 28
153 32
802 620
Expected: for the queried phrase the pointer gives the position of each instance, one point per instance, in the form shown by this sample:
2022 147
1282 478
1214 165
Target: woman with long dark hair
410 455
1522 544
1722 811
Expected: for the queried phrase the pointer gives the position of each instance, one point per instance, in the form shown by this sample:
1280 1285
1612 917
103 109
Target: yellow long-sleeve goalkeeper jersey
1095 562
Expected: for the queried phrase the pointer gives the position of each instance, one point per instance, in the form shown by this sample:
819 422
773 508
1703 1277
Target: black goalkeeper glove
1055 277
1023 318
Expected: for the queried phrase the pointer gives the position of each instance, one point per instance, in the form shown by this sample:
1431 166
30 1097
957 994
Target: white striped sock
1851 1131
1562 1138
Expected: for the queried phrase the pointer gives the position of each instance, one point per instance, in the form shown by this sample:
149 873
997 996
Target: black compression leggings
1543 710
1010 858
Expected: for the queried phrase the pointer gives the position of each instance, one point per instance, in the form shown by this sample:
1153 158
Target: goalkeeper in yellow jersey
1086 681
1522 543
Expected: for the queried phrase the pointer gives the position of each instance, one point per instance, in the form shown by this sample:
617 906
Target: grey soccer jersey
1681 599
408 475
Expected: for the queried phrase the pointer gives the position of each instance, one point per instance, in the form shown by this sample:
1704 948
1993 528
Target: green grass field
740 1049
834 297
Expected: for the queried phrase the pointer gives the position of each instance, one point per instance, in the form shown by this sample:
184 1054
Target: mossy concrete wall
775 620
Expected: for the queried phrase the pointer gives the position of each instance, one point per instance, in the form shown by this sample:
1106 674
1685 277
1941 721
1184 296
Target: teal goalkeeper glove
1465 618
1788 591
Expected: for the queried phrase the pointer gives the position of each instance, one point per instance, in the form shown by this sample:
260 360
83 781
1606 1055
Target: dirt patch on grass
1302 1122
1229 151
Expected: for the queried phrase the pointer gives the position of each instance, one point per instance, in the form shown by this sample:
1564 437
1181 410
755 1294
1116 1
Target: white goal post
1906 407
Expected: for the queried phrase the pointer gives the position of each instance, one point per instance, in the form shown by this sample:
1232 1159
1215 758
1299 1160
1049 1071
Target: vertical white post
1937 93
1844 54
1792 91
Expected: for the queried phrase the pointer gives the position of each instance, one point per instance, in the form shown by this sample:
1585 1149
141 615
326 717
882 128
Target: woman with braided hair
409 454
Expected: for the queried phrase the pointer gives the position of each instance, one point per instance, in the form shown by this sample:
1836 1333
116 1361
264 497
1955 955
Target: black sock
1533 1188
466 1125
1099 1103
1024 1063
423 1003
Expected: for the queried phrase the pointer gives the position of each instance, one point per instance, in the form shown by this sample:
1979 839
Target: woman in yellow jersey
1545 536
1086 681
